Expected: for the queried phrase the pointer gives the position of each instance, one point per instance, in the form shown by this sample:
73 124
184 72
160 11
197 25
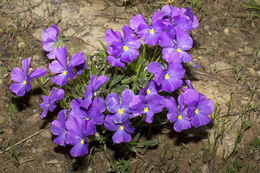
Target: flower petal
60 79
121 136
62 55
79 150
56 67
127 96
18 88
113 36
26 65
99 82
109 123
36 73
136 21
58 94
115 62
17 75
112 102
76 60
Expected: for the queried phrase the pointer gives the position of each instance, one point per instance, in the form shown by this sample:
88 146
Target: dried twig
212 77
23 140
22 10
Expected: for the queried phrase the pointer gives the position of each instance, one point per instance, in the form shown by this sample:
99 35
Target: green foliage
256 52
14 156
200 7
12 109
235 166
119 166
255 144
165 164
252 8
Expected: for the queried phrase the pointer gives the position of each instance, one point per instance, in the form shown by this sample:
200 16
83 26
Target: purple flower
148 106
120 113
184 42
190 96
199 107
23 79
78 130
50 41
200 112
177 115
94 112
123 130
150 34
150 90
48 103
58 127
60 66
122 50
193 19
169 79
91 89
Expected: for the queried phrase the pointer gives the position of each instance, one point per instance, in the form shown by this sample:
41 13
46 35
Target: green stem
140 122
140 63
42 87
93 67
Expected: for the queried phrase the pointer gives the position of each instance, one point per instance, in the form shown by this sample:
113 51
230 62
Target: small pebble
226 31
21 45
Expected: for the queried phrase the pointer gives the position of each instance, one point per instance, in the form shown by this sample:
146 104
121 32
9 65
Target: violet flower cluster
169 28
80 123
77 124
193 109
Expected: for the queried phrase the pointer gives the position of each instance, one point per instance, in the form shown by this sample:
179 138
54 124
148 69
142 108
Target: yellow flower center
196 111
65 132
178 50
166 76
148 91
146 109
121 111
82 141
24 82
151 31
121 127
65 72
179 117
125 48
87 118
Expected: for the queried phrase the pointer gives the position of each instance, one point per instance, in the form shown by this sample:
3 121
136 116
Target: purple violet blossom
199 107
183 42
150 34
48 103
50 41
169 79
63 69
193 19
122 50
120 113
94 112
177 114
150 90
123 130
148 106
23 79
200 112
91 89
77 132
58 127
